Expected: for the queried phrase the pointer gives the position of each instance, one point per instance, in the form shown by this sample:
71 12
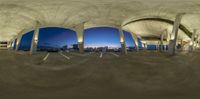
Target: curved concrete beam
182 27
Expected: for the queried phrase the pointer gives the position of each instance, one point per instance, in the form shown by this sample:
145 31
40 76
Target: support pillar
158 46
161 42
134 36
80 32
196 41
122 41
191 47
174 35
198 44
123 47
145 46
12 41
166 47
35 39
10 45
81 47
181 43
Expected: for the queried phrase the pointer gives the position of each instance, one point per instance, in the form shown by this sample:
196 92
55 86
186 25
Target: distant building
64 48
75 47
131 48
89 49
102 49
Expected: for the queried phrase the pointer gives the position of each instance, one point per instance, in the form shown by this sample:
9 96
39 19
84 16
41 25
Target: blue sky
58 37
26 40
101 36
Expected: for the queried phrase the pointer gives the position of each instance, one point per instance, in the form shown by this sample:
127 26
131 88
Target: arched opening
152 47
55 39
106 38
51 39
130 42
25 43
99 38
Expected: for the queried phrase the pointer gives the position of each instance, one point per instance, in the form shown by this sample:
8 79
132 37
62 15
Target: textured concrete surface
138 75
17 15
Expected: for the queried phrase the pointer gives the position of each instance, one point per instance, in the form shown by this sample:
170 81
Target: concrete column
123 47
161 42
174 35
80 36
134 36
165 48
10 45
167 41
191 47
181 42
12 41
145 46
35 38
19 37
81 47
158 46
196 41
122 41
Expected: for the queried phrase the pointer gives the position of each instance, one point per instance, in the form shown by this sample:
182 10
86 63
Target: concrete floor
138 75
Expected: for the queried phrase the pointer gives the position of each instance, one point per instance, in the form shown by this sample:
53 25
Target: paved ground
138 75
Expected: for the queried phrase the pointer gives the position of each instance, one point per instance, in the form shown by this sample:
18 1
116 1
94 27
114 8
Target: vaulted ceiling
18 15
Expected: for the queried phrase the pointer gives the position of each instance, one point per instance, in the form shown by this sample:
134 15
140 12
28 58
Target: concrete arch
98 26
182 27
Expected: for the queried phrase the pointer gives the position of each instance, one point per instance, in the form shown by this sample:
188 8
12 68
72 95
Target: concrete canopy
18 15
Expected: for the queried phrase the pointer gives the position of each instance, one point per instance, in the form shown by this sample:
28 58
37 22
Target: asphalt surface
137 75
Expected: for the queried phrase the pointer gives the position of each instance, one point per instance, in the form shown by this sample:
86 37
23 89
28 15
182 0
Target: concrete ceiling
18 15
